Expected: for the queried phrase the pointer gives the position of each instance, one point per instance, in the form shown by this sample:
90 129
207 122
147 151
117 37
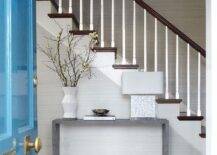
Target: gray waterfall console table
146 121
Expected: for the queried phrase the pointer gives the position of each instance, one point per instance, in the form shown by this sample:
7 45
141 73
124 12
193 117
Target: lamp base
143 106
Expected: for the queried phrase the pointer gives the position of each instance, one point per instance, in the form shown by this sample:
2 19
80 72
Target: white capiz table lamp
143 88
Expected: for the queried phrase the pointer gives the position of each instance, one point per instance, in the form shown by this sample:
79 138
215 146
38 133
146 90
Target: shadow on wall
179 145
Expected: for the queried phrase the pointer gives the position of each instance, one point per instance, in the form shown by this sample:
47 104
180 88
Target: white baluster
70 6
60 7
177 67
166 65
188 81
91 14
123 34
199 86
155 45
102 24
113 24
145 40
134 32
81 26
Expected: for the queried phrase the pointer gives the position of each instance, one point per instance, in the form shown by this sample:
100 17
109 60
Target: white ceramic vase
69 102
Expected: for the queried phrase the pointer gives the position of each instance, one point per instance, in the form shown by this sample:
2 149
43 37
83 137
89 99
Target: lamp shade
142 83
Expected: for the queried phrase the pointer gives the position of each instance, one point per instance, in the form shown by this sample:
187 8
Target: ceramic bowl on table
100 112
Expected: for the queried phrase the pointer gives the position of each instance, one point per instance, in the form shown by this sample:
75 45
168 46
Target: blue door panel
5 104
2 71
20 68
17 69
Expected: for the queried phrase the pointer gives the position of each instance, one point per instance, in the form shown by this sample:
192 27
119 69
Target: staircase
126 45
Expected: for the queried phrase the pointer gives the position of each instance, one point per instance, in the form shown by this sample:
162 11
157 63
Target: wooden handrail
54 4
171 27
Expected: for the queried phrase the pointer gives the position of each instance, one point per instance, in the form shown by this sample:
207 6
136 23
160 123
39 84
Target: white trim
81 25
60 7
102 43
70 6
188 82
177 67
166 65
155 45
112 24
123 34
145 40
91 14
211 82
134 32
199 86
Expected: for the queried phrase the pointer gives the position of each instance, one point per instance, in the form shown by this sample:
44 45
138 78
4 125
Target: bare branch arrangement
70 64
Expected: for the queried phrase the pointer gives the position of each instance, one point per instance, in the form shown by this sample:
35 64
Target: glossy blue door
17 70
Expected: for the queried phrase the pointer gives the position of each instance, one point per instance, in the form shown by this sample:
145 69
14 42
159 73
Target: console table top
117 121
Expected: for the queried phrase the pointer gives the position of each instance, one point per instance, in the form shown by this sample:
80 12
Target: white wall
102 92
211 32
107 140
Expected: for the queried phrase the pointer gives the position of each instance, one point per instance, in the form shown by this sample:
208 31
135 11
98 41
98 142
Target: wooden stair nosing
125 66
168 101
81 32
60 15
106 49
190 118
202 135
65 15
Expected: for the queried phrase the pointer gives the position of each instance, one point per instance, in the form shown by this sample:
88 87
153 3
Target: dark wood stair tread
202 135
81 32
65 15
105 49
190 118
168 101
125 66
60 15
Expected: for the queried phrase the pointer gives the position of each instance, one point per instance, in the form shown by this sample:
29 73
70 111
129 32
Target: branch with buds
70 64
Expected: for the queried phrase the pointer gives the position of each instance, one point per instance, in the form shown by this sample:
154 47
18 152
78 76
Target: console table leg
56 137
165 138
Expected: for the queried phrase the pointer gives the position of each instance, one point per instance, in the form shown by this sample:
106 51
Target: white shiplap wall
103 92
184 135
